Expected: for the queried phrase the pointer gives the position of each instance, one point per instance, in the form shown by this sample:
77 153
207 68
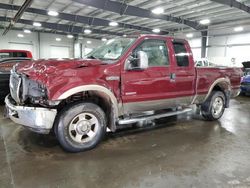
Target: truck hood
45 67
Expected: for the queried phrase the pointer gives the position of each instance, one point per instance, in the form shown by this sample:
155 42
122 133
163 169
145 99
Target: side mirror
139 63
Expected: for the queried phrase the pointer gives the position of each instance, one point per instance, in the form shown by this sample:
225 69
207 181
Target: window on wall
181 54
156 51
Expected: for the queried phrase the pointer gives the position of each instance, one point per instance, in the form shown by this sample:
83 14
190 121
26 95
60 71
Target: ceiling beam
235 4
18 15
63 27
49 32
80 19
125 9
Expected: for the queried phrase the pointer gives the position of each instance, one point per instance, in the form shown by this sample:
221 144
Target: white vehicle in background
203 62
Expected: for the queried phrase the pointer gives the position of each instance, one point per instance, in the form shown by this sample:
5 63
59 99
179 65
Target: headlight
32 89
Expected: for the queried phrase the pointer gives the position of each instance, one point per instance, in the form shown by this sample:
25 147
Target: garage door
59 52
21 46
241 53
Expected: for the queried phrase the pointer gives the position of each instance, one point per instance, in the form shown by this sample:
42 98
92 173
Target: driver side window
156 51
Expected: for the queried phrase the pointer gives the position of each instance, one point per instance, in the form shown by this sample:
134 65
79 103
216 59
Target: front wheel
80 126
213 108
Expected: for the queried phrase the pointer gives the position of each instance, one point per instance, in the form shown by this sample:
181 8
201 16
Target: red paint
151 84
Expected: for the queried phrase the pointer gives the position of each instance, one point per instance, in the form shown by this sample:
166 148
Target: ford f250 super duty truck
127 80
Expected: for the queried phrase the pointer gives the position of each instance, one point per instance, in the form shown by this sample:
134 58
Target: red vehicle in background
8 53
125 81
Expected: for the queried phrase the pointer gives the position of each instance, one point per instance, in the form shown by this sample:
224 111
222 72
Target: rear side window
181 54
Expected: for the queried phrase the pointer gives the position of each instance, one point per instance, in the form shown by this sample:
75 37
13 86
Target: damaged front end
24 90
24 105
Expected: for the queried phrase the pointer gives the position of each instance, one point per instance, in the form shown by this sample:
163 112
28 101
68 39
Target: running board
152 117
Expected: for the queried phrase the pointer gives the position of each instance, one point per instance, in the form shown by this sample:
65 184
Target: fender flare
97 88
224 83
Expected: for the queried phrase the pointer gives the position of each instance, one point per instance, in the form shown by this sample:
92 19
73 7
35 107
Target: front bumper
37 119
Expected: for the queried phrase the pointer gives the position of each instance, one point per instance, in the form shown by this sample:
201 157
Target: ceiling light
104 39
113 24
26 31
87 31
124 35
53 13
58 39
156 30
37 24
189 35
238 29
70 36
158 10
205 21
89 42
20 35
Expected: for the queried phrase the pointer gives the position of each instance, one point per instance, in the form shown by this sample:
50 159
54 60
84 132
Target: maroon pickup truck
125 81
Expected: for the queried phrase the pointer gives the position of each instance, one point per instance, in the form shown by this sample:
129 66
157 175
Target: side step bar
152 117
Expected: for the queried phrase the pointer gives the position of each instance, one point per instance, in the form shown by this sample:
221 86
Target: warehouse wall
11 41
50 48
46 47
229 49
195 44
222 49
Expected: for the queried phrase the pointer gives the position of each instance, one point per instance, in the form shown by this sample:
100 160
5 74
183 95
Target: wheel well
97 98
224 88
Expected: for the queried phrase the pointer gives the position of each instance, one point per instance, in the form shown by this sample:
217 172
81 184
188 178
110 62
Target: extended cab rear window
181 54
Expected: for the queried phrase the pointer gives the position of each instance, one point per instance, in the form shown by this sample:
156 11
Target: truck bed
206 77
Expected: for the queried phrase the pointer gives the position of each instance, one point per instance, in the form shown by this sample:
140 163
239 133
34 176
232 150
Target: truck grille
15 85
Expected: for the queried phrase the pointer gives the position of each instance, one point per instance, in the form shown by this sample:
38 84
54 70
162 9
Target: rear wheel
81 126
213 108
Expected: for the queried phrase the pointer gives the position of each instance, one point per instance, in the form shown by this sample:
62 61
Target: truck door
151 88
183 73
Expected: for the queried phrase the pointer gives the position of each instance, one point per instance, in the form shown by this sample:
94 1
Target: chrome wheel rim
217 106
83 128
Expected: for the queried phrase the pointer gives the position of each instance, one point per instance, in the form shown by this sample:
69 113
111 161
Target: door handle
172 77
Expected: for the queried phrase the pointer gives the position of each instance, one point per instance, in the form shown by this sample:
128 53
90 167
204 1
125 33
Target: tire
213 108
80 127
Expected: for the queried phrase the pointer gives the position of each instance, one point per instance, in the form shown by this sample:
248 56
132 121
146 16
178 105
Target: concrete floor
189 152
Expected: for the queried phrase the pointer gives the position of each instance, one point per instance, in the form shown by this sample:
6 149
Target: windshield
112 49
